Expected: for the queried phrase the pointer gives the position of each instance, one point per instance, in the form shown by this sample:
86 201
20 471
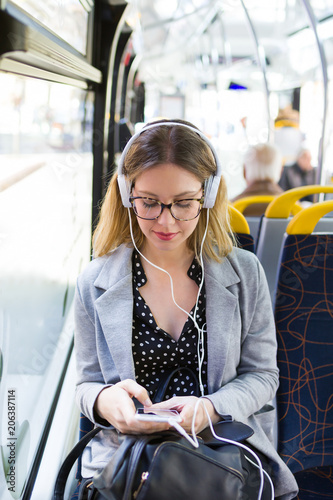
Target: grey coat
241 338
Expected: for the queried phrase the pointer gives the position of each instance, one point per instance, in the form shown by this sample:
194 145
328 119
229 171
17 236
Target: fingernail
147 402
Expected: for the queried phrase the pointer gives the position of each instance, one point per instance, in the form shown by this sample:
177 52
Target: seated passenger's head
262 162
304 160
174 144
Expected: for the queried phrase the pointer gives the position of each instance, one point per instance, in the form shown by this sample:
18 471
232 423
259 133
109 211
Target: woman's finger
135 390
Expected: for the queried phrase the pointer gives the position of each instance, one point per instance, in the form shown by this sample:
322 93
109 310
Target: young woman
167 289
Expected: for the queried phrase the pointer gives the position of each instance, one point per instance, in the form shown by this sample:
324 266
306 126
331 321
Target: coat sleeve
90 381
255 378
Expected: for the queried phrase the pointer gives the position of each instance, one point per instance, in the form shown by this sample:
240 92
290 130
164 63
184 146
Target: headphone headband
211 184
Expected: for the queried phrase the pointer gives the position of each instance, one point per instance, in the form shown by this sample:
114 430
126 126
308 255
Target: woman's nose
166 218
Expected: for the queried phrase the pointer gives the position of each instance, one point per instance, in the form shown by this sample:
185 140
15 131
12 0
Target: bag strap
130 451
69 461
134 459
74 454
166 379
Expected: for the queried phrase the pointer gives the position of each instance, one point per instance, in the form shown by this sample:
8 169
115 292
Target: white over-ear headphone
211 184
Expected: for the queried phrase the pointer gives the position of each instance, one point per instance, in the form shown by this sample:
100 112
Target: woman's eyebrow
183 194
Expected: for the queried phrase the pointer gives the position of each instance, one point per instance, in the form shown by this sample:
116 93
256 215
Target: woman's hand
115 405
185 406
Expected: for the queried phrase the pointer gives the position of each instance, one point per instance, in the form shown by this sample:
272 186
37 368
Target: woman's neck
175 260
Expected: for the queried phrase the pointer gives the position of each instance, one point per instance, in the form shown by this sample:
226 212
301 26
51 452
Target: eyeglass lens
150 209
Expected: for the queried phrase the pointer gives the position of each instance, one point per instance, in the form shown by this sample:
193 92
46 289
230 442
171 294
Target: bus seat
304 323
273 225
240 228
243 205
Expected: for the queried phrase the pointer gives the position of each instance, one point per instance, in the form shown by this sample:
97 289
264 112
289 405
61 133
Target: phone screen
155 415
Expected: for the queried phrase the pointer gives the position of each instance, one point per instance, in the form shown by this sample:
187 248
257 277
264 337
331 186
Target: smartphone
156 415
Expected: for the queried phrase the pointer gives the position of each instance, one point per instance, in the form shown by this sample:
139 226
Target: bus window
68 18
45 231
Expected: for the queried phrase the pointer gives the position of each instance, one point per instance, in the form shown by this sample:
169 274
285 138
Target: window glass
45 233
67 18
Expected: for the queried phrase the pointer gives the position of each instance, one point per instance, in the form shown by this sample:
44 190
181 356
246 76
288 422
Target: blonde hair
160 145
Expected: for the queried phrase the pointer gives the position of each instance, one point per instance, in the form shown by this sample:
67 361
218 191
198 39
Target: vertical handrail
323 61
262 62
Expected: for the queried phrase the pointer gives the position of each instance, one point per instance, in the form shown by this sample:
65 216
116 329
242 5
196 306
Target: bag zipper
144 477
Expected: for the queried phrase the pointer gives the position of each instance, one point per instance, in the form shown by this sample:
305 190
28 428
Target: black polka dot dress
155 351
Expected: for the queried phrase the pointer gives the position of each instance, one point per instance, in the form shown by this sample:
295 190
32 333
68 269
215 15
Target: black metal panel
124 87
123 39
138 103
106 21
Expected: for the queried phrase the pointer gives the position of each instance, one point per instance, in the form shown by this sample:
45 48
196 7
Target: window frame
28 48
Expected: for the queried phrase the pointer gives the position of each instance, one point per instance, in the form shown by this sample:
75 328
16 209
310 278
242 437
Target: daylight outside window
68 18
45 230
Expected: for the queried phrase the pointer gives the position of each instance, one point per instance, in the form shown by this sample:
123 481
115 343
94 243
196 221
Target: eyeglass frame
169 206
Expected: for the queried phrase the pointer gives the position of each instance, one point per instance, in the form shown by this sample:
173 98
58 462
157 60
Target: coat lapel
115 309
220 309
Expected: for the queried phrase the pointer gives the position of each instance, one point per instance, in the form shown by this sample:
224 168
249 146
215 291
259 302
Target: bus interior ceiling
77 79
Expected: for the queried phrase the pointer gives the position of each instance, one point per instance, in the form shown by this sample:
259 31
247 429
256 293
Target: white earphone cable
200 346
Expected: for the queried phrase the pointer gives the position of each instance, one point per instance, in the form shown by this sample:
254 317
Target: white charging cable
195 443
200 346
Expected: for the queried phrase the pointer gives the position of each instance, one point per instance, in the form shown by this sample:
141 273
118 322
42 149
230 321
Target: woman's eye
149 203
183 204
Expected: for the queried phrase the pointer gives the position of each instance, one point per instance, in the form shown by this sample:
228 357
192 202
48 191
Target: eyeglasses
150 209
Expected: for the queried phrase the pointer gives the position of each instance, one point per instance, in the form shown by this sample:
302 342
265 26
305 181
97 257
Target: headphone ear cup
211 188
125 190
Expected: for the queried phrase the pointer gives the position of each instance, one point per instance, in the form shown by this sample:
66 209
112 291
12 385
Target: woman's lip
165 236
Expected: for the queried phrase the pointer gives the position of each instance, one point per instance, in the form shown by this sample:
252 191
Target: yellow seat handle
283 204
242 203
238 222
305 221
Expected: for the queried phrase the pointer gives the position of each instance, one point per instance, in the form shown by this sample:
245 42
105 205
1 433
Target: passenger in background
300 173
262 171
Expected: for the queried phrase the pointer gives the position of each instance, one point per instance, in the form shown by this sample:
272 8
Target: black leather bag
165 466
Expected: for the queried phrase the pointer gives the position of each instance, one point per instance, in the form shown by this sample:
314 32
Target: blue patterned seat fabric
304 321
245 241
